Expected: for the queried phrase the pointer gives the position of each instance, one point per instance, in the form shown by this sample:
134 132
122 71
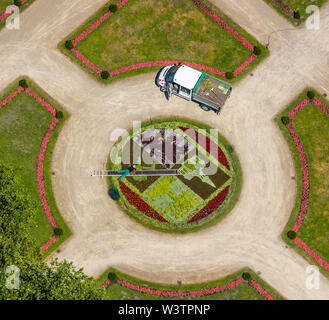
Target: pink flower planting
4 14
310 252
298 108
322 107
260 290
199 293
48 243
41 156
284 7
135 66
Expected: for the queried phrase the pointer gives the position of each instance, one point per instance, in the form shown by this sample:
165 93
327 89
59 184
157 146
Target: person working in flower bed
131 170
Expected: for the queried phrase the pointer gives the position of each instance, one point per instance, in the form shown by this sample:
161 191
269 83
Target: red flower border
135 66
195 293
4 15
41 156
305 174
283 7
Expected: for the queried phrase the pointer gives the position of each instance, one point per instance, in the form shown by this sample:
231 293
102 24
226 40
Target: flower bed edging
41 156
135 66
194 293
305 177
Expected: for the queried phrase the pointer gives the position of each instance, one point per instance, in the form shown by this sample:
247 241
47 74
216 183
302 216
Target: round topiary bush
229 75
18 3
114 194
230 148
296 15
113 8
69 44
291 234
23 83
246 276
310 94
59 114
105 74
112 277
257 51
285 120
58 232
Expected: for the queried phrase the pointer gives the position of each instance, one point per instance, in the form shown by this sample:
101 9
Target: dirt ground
104 236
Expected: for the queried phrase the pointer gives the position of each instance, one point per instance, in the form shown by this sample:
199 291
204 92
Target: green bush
230 148
296 15
58 232
257 51
113 8
246 276
310 94
285 120
112 277
114 194
59 114
229 75
69 44
291 234
105 74
18 3
23 83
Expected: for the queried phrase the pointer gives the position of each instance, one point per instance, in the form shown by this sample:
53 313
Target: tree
37 279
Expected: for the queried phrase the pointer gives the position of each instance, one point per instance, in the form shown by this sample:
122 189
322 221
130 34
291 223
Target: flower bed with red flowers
136 201
4 15
41 156
194 293
135 66
284 7
211 206
305 176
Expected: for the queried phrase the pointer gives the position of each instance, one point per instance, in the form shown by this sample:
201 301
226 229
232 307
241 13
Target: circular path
103 236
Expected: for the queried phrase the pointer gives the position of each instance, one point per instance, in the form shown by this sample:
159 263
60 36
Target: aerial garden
305 124
147 34
203 193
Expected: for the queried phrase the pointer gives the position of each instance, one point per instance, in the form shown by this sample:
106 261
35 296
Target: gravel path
103 235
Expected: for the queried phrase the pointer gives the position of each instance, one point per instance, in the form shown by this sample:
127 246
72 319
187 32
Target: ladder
139 173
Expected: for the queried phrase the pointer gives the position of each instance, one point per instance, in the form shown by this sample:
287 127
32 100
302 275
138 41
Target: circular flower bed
203 183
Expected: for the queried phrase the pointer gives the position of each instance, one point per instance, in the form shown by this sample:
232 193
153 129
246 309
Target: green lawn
149 30
23 124
312 127
241 292
297 5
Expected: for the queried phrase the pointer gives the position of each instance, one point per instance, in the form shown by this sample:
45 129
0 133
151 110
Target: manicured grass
213 218
150 30
312 127
23 124
297 5
4 4
241 292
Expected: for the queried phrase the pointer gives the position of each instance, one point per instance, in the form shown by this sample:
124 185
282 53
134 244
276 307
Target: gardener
131 170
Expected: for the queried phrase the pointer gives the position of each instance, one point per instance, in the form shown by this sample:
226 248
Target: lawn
23 124
312 127
297 5
241 292
150 30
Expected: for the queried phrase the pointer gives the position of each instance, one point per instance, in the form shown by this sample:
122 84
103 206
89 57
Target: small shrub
23 83
18 3
58 232
229 75
285 120
257 51
112 277
246 276
230 148
114 194
310 94
296 15
59 114
69 44
113 8
105 74
291 234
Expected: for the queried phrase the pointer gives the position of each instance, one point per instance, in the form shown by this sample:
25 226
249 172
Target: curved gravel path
103 235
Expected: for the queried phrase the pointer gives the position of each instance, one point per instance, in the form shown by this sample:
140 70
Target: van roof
187 77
